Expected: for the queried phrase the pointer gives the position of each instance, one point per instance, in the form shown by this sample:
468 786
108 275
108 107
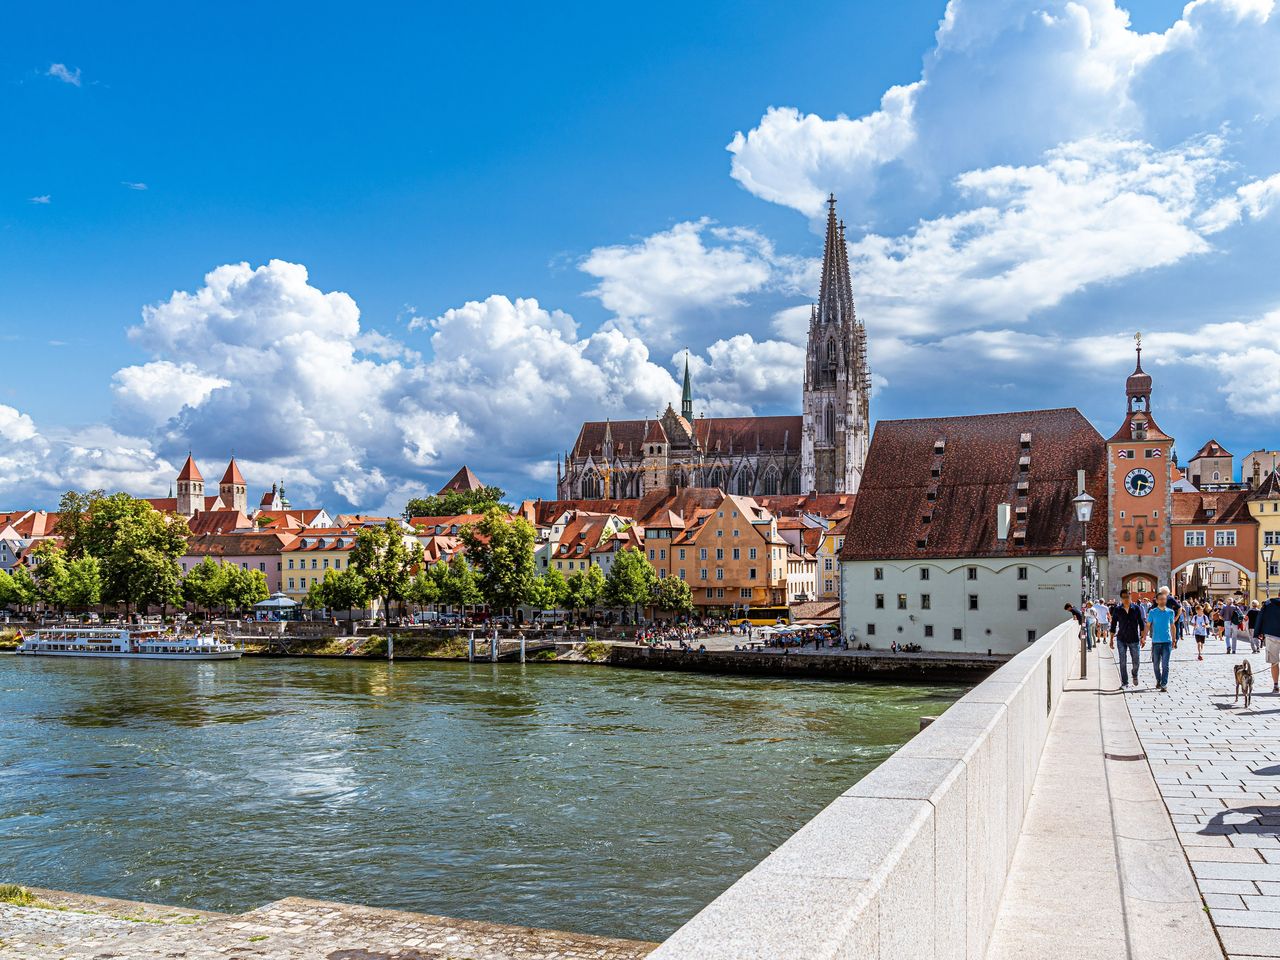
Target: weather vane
1137 338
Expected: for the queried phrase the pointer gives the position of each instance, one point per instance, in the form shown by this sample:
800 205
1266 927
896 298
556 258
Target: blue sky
492 225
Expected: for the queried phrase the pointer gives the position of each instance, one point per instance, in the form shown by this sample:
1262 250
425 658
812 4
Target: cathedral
822 450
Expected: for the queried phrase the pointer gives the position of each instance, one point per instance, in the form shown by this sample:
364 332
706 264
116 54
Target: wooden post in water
522 646
471 646
493 647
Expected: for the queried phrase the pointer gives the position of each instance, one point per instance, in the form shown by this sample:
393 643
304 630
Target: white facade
801 577
970 605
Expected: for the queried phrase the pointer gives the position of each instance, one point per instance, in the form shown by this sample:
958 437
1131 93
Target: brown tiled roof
219 521
236 544
1268 489
464 480
213 503
656 434
1211 449
189 470
542 513
428 524
233 474
978 469
714 435
583 533
1227 506
816 610
833 506
163 504
34 524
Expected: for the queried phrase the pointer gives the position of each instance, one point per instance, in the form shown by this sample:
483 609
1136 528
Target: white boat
120 644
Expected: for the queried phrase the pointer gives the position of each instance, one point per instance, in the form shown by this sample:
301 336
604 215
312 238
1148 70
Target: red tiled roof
978 469
832 506
1268 489
464 480
189 470
236 544
219 521
233 474
213 503
163 504
429 524
1211 449
656 434
1227 506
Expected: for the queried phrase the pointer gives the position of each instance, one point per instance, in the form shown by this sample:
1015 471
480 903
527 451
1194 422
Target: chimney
1004 517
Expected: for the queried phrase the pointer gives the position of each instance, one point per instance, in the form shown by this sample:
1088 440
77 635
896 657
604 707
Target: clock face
1140 482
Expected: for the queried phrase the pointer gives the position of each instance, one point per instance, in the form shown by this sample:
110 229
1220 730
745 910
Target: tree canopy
584 588
548 591
456 502
672 594
385 561
501 547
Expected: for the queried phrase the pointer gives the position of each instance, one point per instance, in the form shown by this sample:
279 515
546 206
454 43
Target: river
605 801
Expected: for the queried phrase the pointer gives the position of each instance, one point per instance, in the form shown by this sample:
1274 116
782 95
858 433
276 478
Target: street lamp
1083 504
1267 554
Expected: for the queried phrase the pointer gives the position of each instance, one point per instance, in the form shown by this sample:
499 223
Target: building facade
1215 544
1140 496
1264 507
823 449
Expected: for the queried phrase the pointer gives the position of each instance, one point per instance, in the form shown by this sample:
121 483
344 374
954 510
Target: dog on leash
1244 682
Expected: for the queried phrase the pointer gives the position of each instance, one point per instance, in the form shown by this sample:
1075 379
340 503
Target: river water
605 801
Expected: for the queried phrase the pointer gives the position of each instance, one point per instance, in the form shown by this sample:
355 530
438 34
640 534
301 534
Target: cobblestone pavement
1218 769
71 927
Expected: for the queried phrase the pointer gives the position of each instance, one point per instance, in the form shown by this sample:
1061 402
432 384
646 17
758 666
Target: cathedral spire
686 395
835 297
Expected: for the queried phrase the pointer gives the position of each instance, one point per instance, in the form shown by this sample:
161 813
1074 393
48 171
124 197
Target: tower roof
463 480
1139 382
686 395
233 475
835 296
190 471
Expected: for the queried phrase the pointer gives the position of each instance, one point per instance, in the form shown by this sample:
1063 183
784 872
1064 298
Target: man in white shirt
1103 613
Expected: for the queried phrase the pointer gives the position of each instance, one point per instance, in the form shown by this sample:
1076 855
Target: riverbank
56 925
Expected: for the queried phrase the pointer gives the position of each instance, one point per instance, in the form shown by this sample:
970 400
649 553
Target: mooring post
471 646
522 647
493 647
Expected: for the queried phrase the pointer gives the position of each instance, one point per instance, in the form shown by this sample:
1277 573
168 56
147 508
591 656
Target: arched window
744 483
829 424
715 478
591 486
831 361
769 485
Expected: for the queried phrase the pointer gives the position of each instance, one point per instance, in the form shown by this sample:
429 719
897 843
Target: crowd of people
1167 620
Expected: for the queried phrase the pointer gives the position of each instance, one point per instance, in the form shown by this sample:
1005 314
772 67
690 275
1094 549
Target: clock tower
1140 494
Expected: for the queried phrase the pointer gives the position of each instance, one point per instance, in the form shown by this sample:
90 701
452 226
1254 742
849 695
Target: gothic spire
686 395
835 298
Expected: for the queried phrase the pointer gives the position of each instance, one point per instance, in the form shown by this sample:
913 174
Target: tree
317 597
347 591
672 594
456 502
424 589
203 586
73 518
83 584
22 587
501 547
584 588
382 557
242 588
137 548
8 595
630 580
548 591
460 586
50 573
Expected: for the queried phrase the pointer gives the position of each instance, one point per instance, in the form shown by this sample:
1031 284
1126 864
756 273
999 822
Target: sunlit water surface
606 801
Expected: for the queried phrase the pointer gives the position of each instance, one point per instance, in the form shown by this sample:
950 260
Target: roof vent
939 446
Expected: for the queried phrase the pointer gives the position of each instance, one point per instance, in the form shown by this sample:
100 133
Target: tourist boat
121 644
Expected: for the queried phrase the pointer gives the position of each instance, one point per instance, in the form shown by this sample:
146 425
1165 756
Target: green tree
137 548
630 580
22 587
460 586
548 591
385 561
242 588
8 595
50 574
74 510
319 592
672 594
424 589
456 502
203 586
83 584
347 591
584 588
501 547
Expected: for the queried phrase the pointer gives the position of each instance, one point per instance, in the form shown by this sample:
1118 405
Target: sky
360 246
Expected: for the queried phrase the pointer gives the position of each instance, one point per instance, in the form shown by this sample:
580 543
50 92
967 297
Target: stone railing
911 861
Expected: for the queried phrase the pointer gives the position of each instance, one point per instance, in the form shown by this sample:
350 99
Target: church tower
1140 491
232 489
837 384
190 489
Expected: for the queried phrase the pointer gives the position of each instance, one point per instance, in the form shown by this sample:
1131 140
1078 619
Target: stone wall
911 861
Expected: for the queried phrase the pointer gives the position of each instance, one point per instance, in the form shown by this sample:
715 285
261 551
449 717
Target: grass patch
595 650
17 896
544 655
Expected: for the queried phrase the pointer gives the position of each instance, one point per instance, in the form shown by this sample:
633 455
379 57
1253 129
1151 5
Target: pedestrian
1090 625
1200 629
1268 632
1127 624
1228 619
1251 621
1160 627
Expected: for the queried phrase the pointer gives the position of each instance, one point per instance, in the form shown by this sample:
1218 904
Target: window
871 629
719 573
719 593
702 553
928 630
719 553
262 566
337 562
326 563
682 573
291 583
751 573
879 601
1224 538
291 563
1193 538
682 553
662 554
313 563
1031 636
902 601
973 573
973 601
751 553
1273 569
1022 601
720 533
711 593
826 586
736 531
956 633
662 574
924 573
570 564
828 564
745 593
702 574
925 601
1217 475
1022 573
737 553
877 573
651 553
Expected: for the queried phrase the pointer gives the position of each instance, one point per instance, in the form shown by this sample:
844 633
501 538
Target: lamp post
1084 513
1267 554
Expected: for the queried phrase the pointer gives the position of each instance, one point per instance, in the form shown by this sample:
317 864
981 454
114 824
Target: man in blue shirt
1160 625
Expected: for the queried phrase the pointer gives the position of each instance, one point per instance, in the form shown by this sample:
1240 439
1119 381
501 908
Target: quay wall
900 667
911 861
